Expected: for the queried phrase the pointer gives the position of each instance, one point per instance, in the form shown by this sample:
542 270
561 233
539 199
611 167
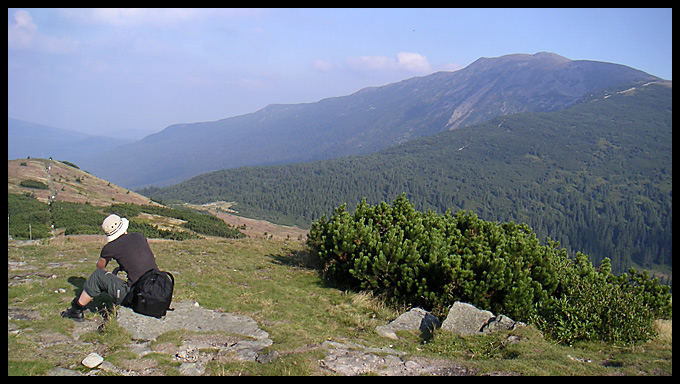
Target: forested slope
597 177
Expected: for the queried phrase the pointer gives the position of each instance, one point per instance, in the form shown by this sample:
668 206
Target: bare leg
84 299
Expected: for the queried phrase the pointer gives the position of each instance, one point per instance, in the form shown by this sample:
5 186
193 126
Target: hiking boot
75 312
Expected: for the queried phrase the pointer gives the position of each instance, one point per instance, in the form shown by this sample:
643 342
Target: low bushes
28 217
33 184
431 260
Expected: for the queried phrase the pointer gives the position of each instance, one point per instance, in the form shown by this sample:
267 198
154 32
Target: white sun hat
114 226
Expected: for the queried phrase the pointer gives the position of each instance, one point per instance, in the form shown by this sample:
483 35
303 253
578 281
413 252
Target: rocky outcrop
351 359
189 316
225 337
230 337
463 319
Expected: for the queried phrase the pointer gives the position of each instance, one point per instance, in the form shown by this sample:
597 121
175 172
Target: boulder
465 319
501 323
417 319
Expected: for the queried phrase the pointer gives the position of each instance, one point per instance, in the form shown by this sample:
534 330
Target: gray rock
416 319
188 316
265 358
192 369
465 319
352 359
230 337
501 323
59 371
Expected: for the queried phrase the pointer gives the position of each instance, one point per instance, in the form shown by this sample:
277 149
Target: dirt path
50 182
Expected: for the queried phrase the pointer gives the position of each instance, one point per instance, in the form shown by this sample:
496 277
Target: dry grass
69 183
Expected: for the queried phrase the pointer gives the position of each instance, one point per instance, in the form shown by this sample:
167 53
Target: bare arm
102 263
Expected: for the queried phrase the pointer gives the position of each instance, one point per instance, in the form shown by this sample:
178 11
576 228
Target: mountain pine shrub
431 261
33 184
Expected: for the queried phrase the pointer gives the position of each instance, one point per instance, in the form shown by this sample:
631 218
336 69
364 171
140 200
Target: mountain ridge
26 139
363 122
596 176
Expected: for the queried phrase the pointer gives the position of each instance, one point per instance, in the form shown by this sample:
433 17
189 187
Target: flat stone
192 369
351 359
59 371
186 315
92 360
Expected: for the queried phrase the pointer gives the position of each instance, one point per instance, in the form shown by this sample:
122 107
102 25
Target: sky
132 72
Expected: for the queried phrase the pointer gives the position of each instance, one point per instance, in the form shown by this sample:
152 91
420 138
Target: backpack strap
173 285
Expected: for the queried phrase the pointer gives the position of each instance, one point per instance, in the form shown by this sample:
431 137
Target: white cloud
371 63
405 62
413 62
23 34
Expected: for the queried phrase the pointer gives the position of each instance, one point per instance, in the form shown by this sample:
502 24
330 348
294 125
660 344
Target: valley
579 150
597 176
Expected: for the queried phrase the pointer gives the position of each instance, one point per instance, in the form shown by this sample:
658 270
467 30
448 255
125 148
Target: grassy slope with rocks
67 182
269 280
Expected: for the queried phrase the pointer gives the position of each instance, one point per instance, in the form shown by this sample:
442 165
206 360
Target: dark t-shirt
132 253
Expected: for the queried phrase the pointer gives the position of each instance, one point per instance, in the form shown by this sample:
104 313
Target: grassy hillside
48 198
66 182
268 280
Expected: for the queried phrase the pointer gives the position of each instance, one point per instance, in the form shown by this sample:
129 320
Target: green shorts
102 281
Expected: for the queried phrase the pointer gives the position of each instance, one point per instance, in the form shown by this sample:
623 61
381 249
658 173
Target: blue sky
133 72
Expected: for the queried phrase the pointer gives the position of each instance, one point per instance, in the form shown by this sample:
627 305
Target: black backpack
151 295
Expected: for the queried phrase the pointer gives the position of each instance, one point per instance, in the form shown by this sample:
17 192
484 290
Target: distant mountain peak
550 55
366 121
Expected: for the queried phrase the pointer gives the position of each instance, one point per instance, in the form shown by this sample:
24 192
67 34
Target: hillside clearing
251 227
